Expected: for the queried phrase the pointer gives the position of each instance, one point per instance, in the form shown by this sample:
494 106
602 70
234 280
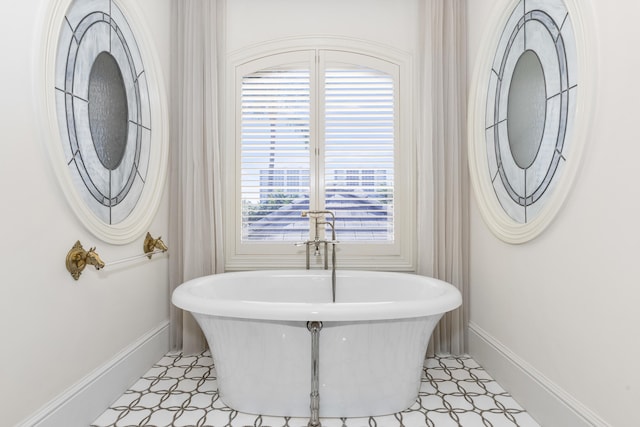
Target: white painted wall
56 330
389 22
567 302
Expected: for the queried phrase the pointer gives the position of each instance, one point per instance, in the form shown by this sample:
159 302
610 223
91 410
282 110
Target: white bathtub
372 344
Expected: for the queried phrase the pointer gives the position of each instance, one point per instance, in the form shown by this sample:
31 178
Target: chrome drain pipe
314 327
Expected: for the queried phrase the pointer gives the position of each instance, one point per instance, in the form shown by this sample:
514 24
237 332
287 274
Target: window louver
359 152
356 142
275 154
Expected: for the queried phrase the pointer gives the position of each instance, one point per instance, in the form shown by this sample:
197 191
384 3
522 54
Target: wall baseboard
86 400
543 399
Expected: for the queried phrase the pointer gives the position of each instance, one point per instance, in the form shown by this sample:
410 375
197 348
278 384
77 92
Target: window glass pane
275 154
359 152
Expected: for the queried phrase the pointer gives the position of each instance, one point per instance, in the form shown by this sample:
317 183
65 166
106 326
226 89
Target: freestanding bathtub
372 343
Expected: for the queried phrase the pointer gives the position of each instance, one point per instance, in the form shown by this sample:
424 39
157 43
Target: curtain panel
443 183
194 180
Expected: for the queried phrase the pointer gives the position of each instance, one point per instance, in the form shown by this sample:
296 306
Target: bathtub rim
449 300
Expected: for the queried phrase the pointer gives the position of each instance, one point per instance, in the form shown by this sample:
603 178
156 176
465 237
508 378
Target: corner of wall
544 400
86 400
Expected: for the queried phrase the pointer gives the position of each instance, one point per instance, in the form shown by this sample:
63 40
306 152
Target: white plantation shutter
320 134
275 152
359 152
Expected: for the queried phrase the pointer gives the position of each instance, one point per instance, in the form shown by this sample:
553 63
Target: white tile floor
182 391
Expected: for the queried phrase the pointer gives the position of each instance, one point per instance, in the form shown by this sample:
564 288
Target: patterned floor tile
182 391
108 418
189 417
134 417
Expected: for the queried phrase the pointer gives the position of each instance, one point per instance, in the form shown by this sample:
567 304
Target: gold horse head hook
94 259
150 245
78 258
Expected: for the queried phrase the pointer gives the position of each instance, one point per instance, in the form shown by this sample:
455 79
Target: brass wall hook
78 258
150 245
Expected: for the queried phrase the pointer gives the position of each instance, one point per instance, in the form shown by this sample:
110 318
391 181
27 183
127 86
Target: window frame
398 255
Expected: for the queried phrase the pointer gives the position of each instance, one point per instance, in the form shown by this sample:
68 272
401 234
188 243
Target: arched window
318 129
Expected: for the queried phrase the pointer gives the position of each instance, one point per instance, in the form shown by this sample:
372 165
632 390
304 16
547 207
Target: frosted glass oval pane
108 112
526 109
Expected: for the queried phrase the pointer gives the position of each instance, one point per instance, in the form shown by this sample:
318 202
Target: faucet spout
316 215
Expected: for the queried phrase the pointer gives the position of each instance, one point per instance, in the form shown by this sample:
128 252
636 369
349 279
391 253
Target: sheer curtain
195 211
443 190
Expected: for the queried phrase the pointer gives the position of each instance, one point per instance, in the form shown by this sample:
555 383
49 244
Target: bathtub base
367 368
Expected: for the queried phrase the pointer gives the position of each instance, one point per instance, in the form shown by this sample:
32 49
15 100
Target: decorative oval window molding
529 112
104 110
